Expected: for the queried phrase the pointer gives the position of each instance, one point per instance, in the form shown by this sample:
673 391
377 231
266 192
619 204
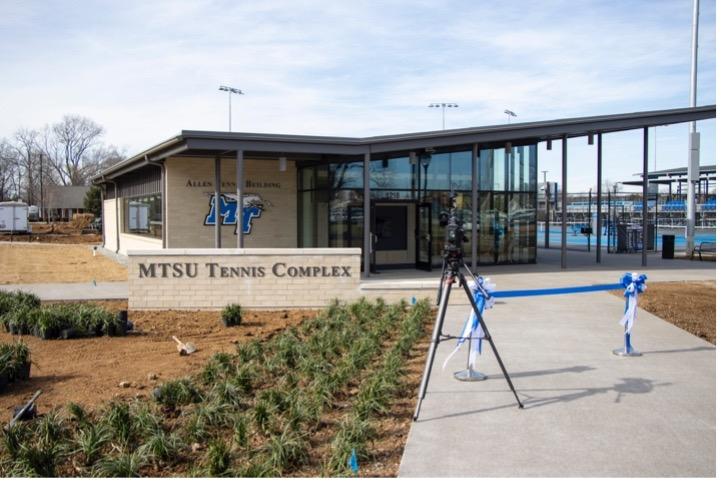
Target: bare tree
8 168
69 145
27 160
101 158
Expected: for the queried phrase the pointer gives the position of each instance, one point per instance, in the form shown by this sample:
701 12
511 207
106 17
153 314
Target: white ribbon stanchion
635 284
473 332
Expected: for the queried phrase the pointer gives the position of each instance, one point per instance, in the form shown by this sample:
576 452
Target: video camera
455 234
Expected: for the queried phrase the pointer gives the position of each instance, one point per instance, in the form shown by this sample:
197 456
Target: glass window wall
330 199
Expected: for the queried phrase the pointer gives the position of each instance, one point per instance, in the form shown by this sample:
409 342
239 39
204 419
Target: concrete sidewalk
588 412
103 290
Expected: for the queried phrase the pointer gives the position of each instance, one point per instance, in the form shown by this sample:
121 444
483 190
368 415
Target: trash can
668 242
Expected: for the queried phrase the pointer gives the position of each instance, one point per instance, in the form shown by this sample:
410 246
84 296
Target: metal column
564 192
474 207
599 221
367 214
239 181
644 214
217 202
693 142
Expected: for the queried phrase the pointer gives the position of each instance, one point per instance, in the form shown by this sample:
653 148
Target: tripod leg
440 284
446 284
464 282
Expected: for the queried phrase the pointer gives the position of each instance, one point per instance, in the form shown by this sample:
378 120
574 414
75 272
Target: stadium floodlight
230 91
443 106
509 113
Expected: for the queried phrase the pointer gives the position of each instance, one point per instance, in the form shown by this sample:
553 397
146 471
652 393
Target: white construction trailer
14 217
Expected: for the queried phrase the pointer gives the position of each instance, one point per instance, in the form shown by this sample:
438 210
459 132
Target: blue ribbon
558 291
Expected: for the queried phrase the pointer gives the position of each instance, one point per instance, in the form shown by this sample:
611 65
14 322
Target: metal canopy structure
240 145
679 175
211 143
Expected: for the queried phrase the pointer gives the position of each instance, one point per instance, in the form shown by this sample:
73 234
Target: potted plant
47 324
232 315
21 361
5 365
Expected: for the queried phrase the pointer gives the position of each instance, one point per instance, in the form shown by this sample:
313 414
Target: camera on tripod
455 234
453 267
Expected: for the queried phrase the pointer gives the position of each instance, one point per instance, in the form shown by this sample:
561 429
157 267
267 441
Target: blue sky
146 70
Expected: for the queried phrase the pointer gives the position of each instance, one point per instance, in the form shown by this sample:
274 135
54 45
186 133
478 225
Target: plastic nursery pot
3 381
23 371
49 334
116 328
68 333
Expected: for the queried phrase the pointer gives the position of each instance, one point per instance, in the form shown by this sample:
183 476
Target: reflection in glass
396 173
143 215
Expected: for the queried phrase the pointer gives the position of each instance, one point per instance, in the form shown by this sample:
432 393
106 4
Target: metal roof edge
516 129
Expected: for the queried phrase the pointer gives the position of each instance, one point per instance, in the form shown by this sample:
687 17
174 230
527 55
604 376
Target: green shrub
77 412
39 458
11 301
14 361
287 450
121 465
262 416
177 393
20 321
160 447
218 459
354 433
119 421
245 378
90 441
21 314
14 437
232 315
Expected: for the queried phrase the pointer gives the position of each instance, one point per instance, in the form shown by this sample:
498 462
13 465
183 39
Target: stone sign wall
209 279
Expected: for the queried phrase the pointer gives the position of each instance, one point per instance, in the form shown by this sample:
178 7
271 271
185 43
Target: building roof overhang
214 143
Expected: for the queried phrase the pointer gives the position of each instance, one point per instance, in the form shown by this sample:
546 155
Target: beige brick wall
190 182
179 291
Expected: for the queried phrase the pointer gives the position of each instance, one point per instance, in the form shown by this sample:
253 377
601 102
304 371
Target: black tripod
452 263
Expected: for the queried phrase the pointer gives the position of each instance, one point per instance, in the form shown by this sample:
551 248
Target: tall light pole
694 140
443 105
510 114
230 91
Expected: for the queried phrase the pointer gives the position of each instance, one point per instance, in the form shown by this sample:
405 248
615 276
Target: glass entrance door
424 238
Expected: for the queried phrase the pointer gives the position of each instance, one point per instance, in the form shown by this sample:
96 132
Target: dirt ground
89 371
690 305
43 263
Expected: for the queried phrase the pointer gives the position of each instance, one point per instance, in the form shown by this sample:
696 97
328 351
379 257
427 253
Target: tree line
67 153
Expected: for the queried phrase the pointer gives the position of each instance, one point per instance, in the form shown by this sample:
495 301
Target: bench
705 247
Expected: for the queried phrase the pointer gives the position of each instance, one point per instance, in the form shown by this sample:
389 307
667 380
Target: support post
644 214
367 214
599 220
217 202
608 225
693 142
239 185
103 187
588 239
564 192
547 234
474 207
